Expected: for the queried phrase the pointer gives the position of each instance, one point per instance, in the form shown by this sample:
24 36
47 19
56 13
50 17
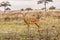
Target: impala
28 21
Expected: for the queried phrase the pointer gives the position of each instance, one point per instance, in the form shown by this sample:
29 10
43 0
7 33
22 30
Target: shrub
6 19
28 9
52 7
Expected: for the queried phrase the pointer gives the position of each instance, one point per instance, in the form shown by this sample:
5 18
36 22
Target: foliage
7 9
28 9
41 1
52 7
6 19
44 1
5 4
22 9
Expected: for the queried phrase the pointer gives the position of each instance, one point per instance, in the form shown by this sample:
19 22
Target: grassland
51 21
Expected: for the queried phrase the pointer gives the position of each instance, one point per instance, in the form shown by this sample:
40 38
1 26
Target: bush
52 7
22 9
58 17
6 19
28 9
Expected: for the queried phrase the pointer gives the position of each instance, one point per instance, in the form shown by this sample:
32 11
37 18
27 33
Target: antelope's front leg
39 27
28 27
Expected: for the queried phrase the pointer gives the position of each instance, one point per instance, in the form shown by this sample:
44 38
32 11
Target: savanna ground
13 27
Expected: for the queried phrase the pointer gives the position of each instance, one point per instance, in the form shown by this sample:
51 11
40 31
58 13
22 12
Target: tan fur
28 21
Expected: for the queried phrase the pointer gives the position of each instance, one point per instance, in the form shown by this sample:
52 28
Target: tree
7 9
22 9
44 1
52 7
42 8
5 4
28 9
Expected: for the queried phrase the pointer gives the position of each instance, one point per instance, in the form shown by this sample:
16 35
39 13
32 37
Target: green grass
6 27
22 28
50 21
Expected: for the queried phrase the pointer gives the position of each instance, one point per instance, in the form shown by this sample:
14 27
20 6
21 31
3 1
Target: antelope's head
23 14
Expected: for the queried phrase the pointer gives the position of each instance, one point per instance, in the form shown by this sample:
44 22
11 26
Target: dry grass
16 24
51 18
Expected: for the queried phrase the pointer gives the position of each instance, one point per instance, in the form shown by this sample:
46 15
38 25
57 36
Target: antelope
28 21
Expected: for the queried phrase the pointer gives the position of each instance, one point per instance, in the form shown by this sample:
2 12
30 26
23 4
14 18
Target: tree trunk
4 9
45 6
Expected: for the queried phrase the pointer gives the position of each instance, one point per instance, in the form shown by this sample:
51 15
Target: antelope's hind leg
38 25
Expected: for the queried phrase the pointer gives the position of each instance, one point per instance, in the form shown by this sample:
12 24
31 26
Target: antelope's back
32 20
